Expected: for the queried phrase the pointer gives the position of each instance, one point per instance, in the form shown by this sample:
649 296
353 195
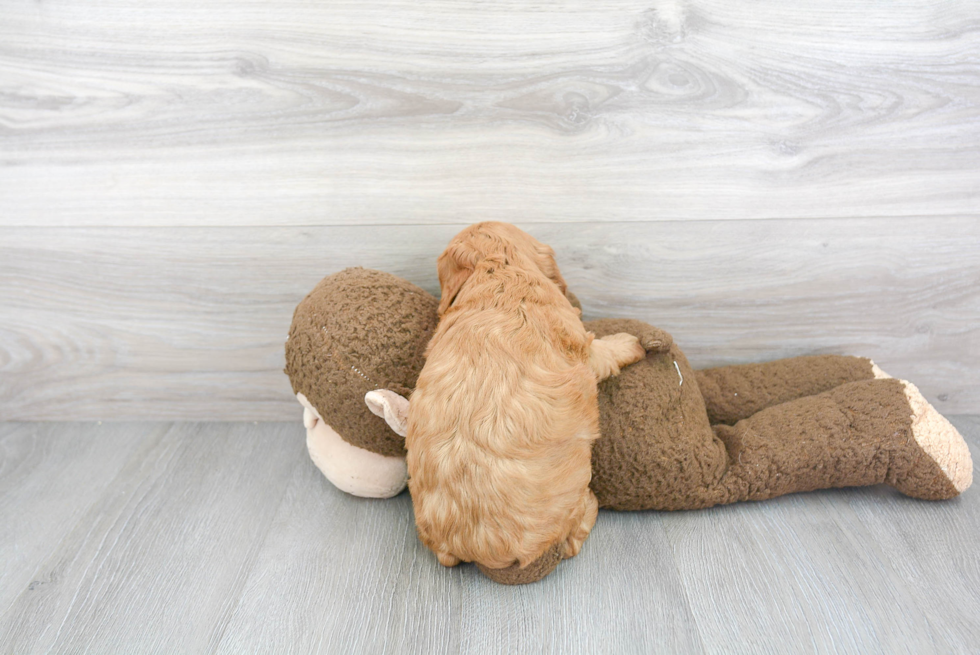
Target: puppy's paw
573 544
627 348
609 354
447 559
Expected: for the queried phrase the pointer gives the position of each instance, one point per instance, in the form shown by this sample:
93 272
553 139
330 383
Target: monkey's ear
455 265
391 407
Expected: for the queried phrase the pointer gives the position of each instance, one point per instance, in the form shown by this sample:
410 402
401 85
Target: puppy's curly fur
504 413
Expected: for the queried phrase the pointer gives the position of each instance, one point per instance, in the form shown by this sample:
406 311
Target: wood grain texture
224 538
159 561
50 476
803 571
396 112
922 545
407 603
181 323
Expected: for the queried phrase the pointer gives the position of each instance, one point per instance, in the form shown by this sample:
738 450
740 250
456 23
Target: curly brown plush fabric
533 572
857 434
657 450
357 331
732 393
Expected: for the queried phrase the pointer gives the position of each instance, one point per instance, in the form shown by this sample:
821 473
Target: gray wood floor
223 537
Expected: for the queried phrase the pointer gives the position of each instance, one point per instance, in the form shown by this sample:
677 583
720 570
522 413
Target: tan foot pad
878 373
940 440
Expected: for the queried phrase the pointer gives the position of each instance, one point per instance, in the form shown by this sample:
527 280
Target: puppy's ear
389 406
545 256
455 265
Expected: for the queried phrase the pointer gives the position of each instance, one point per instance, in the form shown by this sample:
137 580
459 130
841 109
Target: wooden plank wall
762 179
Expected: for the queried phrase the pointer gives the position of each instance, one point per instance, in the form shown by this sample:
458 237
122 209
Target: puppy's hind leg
609 354
574 542
447 559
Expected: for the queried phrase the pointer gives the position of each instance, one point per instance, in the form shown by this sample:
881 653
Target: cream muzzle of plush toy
355 470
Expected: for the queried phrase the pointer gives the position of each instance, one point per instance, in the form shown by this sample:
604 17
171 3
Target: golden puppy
502 420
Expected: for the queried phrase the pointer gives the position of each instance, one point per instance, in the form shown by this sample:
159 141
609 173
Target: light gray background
762 179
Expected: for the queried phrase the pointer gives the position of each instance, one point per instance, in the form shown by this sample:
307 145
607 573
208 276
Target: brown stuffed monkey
671 438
